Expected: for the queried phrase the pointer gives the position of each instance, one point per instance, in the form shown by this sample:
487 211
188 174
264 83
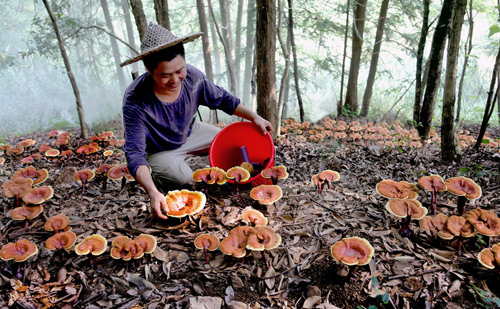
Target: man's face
168 75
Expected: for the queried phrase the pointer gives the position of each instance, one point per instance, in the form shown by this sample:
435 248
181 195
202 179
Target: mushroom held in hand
402 190
38 195
434 184
94 245
490 258
274 173
254 217
26 213
465 188
60 241
57 224
206 242
266 194
183 203
19 251
352 251
84 176
406 209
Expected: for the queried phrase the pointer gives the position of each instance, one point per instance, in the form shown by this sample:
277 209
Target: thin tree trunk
295 60
200 5
435 63
226 37
130 34
448 146
468 50
420 57
215 44
237 44
266 49
375 54
76 91
139 16
114 45
226 51
253 93
490 101
161 11
357 44
286 73
340 103
249 50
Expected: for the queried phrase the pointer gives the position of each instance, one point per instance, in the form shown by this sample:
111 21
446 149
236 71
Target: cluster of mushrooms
403 204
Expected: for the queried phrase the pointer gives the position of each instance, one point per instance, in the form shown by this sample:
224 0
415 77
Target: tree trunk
249 50
140 17
237 44
76 91
200 5
130 33
357 43
286 73
114 46
490 102
295 63
435 63
215 44
161 10
227 42
420 57
266 49
448 146
226 51
375 54
468 50
340 103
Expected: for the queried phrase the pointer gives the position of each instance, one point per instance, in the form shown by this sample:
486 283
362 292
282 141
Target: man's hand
263 124
244 112
158 203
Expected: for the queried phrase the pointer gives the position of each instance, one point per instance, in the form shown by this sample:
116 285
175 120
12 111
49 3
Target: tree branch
106 31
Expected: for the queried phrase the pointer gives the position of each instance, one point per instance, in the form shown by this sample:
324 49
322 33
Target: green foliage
493 30
377 293
483 299
476 171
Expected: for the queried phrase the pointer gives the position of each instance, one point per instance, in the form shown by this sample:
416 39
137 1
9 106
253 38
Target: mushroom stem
19 275
104 182
405 227
274 179
124 181
63 257
26 223
83 186
352 273
91 261
461 205
434 201
205 251
460 245
320 187
264 256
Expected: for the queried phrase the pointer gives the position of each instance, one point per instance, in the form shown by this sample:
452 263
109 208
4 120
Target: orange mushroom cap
248 166
459 226
57 223
95 244
428 183
391 189
38 176
433 224
83 175
38 195
266 194
238 173
352 251
184 202
201 175
104 169
133 249
117 245
120 171
329 176
146 242
463 186
52 153
107 153
403 208
487 258
263 237
20 251
63 240
16 187
236 242
278 172
15 150
26 143
217 175
44 148
26 212
208 241
486 222
254 217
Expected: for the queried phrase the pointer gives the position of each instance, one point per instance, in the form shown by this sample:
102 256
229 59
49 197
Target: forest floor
405 272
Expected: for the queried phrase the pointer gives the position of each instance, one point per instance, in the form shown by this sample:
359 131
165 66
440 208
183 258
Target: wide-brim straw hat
157 38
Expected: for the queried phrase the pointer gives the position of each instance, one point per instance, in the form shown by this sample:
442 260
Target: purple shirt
152 125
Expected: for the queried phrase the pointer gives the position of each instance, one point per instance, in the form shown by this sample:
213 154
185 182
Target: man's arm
246 113
157 200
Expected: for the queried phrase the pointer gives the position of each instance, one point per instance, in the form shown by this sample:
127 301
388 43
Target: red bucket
225 151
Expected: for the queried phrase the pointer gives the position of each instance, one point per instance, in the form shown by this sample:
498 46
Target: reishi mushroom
26 213
406 209
184 202
92 245
465 188
103 171
238 174
18 251
206 242
391 189
486 222
60 242
266 194
120 172
274 173
433 224
490 257
434 184
254 217
457 226
236 242
57 223
329 176
16 188
38 195
38 176
83 176
353 251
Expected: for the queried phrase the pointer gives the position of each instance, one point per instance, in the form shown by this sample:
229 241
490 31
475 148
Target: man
159 110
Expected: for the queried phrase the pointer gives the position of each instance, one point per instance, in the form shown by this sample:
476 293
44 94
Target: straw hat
158 38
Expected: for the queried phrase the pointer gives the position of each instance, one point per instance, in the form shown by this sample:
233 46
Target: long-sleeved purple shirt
152 125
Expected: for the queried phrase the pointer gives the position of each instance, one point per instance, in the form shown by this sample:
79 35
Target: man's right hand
158 205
